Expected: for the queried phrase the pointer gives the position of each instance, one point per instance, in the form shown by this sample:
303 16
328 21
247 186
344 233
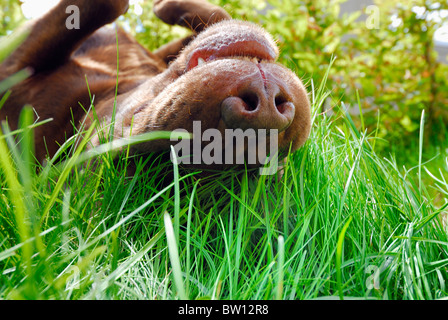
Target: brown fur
158 95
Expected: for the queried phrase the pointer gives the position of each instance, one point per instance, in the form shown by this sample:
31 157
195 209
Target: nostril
281 103
250 101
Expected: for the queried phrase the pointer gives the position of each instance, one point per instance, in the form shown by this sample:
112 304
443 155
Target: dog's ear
193 14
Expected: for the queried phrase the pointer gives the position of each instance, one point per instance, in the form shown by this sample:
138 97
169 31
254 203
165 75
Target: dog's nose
258 106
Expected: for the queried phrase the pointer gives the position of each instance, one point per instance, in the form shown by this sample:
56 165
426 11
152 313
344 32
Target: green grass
341 222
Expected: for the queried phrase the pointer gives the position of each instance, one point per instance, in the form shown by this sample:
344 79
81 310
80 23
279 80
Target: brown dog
226 77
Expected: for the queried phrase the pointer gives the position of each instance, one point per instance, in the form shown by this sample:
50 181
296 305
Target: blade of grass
9 43
174 256
14 79
16 194
360 111
420 150
339 248
64 174
114 110
280 266
188 240
125 266
176 194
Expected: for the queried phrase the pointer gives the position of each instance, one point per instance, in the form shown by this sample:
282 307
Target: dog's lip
252 48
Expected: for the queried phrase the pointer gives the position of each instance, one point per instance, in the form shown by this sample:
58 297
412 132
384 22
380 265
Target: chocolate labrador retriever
225 76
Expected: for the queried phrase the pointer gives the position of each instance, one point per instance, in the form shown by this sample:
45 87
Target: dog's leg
53 38
193 14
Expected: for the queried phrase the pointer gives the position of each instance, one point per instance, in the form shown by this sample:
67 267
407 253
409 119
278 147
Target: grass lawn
341 222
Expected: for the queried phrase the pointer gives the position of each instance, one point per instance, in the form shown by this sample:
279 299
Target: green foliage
148 29
10 16
394 70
